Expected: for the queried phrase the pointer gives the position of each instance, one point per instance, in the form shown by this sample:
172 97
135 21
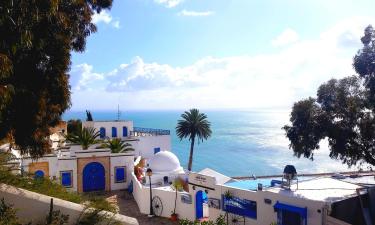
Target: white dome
164 161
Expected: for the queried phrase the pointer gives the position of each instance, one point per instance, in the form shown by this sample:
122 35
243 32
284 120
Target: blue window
120 174
66 178
156 150
124 131
102 132
38 174
114 132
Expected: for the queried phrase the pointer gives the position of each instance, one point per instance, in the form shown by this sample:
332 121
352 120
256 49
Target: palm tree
117 145
193 125
84 137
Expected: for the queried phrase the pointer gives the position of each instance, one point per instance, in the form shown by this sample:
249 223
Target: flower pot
174 217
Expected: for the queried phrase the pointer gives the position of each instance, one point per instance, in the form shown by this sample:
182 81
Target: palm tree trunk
191 153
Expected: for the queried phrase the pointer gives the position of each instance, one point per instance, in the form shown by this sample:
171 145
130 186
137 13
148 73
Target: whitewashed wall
120 159
66 165
108 126
146 144
265 212
142 197
52 163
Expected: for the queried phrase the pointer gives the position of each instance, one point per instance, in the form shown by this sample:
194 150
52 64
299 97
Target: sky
215 54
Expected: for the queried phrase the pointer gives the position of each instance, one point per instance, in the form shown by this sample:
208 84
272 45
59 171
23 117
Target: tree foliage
193 124
89 116
117 145
85 137
37 37
343 113
74 126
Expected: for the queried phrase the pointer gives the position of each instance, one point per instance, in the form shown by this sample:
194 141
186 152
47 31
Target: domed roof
164 161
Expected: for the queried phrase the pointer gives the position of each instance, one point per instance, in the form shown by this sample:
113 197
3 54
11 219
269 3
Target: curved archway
38 174
93 177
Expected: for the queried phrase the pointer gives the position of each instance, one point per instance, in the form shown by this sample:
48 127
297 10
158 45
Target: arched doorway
201 207
93 178
38 174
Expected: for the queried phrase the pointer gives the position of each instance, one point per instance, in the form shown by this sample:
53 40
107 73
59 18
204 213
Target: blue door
124 131
102 132
199 204
93 177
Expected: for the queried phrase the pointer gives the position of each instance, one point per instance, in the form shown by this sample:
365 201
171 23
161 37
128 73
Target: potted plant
177 185
227 194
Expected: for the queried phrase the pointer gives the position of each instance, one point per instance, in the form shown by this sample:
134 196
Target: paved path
128 207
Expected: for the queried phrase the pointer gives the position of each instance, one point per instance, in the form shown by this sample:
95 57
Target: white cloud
195 13
106 18
169 3
288 36
269 80
83 77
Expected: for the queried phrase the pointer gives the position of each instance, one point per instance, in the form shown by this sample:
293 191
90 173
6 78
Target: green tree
193 125
117 145
343 113
74 126
85 137
37 37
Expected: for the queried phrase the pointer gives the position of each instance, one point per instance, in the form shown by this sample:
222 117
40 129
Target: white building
145 141
314 201
84 170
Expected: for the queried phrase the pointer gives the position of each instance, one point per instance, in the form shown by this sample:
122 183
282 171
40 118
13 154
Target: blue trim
238 206
102 132
274 182
280 206
120 174
114 132
156 150
66 178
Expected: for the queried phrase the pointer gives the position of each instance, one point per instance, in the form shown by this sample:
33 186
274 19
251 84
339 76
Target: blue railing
139 130
238 206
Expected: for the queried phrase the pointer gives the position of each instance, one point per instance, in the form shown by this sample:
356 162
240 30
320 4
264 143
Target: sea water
243 143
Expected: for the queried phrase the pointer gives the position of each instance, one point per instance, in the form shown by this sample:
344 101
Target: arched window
102 132
124 131
114 132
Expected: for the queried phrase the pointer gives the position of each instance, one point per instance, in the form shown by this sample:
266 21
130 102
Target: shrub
7 214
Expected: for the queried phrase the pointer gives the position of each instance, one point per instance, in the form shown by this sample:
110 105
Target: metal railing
140 131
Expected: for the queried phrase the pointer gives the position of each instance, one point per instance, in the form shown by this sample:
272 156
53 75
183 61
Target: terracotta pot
174 217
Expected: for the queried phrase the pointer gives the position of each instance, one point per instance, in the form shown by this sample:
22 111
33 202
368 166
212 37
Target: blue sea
242 143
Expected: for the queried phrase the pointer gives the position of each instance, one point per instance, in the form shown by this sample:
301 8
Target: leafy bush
7 214
219 221
42 186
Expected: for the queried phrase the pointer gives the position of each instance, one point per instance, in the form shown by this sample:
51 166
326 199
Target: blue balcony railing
139 131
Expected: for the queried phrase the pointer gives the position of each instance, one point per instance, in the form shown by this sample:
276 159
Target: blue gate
93 177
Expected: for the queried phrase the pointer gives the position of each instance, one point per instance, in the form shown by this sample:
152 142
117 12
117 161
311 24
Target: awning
291 208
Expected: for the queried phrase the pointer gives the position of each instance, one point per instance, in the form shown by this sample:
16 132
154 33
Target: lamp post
149 174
